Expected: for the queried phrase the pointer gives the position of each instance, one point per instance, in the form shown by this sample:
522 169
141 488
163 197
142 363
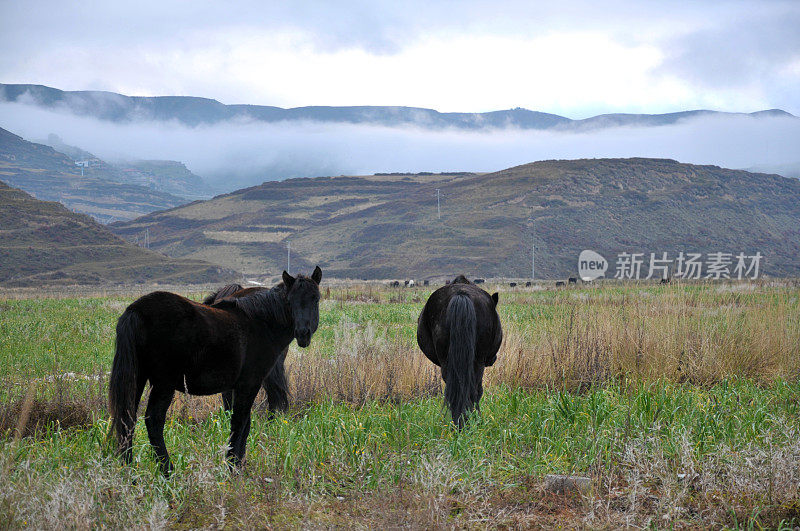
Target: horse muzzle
303 338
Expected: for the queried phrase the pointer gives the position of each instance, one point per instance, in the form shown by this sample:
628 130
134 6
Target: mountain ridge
194 111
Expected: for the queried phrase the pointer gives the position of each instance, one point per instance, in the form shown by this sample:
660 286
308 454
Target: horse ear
316 276
288 280
495 298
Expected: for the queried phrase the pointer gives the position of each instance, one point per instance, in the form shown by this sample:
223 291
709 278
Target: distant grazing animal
573 280
411 283
406 283
512 284
180 345
666 280
560 284
446 282
426 283
395 284
528 284
274 385
459 330
479 281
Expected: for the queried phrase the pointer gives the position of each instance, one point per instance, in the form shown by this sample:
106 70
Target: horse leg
126 449
227 400
154 418
276 387
240 424
477 390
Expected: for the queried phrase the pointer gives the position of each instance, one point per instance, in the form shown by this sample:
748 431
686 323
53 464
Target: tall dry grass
569 340
365 365
676 336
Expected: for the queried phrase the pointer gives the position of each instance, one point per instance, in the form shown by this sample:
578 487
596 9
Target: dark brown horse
180 345
274 385
459 330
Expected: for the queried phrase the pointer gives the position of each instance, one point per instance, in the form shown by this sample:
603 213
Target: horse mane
221 293
268 305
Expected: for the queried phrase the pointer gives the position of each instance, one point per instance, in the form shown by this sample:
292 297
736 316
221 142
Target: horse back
188 345
178 316
432 329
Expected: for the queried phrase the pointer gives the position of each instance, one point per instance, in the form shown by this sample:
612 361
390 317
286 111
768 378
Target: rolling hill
387 225
250 227
52 176
43 243
194 111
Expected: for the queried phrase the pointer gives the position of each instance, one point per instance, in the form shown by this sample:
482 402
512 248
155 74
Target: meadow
679 402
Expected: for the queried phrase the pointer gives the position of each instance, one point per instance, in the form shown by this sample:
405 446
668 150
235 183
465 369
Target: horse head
302 292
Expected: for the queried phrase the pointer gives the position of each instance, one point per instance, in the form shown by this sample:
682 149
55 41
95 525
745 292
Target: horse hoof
234 464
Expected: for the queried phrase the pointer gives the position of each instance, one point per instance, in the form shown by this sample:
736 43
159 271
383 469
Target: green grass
332 450
660 452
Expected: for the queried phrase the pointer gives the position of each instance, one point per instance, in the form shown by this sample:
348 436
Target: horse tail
459 369
276 386
123 382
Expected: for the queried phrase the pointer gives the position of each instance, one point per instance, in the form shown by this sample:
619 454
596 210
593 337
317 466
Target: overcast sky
572 58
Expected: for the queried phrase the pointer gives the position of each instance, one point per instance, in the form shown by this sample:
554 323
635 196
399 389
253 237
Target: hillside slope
248 230
166 176
196 111
52 176
387 226
43 243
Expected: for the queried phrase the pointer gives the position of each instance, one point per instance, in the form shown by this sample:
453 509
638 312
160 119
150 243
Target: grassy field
680 403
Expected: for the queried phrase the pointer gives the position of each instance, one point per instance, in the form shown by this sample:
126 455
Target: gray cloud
746 51
743 46
381 27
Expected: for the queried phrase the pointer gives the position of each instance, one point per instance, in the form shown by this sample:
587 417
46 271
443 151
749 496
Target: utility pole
533 252
289 257
438 208
533 248
147 238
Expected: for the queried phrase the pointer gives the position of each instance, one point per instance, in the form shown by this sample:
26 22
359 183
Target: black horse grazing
459 330
274 384
180 345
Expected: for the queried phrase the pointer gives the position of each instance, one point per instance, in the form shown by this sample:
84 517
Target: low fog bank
237 154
